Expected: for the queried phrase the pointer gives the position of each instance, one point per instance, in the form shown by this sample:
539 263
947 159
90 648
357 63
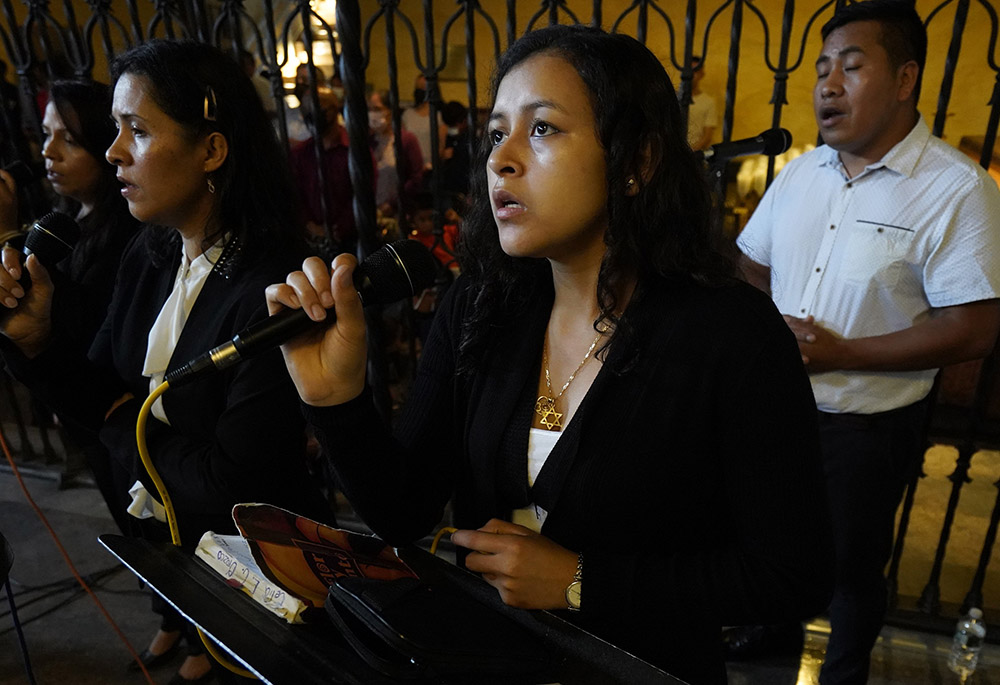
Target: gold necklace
545 405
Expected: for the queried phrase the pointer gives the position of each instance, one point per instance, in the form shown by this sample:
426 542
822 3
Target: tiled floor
901 657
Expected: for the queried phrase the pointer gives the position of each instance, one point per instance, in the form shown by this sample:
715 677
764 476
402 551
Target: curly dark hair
663 231
255 194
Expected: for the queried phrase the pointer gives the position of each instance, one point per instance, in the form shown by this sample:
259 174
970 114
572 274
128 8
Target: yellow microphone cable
175 535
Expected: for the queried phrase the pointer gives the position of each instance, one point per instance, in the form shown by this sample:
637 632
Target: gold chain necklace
545 405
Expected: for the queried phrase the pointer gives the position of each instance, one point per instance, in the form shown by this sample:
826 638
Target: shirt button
850 185
817 269
832 226
803 311
880 229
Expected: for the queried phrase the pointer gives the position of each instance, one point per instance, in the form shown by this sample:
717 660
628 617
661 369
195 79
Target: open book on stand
287 562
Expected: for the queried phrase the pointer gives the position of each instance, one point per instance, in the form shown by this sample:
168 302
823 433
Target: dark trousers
118 481
171 621
867 461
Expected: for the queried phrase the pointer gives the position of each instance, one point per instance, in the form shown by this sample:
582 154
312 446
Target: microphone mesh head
776 141
399 270
52 237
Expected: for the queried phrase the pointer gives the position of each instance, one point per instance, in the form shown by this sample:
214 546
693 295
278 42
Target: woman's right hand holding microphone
25 315
328 366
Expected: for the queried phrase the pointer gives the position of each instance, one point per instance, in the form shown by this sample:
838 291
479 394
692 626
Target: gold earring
211 185
629 183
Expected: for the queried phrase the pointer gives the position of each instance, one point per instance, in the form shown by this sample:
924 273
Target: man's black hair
902 33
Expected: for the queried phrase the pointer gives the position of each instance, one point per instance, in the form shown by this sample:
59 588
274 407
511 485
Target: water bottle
969 636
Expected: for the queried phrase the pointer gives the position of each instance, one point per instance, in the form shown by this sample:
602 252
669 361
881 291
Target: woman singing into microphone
610 408
76 133
199 164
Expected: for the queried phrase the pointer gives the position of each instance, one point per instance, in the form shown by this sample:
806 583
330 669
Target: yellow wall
967 112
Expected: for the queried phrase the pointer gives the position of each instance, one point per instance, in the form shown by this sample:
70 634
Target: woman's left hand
529 570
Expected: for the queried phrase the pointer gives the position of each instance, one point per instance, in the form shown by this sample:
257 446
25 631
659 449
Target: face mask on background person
376 121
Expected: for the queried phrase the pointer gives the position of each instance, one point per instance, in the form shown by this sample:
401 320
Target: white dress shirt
873 254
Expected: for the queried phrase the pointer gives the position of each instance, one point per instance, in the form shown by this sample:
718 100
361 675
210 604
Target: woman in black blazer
76 132
198 163
607 403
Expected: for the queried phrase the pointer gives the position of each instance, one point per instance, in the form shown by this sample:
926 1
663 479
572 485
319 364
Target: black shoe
757 642
150 660
178 679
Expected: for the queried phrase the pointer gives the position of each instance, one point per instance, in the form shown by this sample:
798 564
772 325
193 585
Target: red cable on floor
69 562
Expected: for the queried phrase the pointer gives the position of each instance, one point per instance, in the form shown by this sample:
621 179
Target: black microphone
51 238
773 141
401 269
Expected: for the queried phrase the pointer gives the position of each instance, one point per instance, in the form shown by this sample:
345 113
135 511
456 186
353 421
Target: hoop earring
211 184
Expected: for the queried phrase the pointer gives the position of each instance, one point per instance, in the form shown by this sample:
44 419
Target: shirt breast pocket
876 254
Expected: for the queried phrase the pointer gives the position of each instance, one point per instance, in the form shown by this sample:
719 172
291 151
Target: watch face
573 594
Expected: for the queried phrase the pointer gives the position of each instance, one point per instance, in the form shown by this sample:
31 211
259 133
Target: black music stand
315 653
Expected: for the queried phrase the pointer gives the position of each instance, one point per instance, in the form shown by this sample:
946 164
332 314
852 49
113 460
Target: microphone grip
275 330
259 337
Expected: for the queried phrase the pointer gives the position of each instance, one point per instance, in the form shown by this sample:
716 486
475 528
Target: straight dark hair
84 107
663 231
205 90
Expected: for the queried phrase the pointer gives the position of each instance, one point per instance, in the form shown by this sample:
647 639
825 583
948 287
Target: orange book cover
305 557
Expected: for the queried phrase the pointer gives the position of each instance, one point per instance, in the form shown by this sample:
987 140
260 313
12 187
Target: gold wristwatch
574 590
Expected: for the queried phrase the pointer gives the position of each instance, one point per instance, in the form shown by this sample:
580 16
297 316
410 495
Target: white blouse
166 330
540 444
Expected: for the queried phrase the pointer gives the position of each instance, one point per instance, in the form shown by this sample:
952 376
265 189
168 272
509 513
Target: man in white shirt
882 249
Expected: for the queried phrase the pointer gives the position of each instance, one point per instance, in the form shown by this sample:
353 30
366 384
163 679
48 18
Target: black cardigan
237 436
691 482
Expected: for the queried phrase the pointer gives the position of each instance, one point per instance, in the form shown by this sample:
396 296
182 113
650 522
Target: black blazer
237 436
691 481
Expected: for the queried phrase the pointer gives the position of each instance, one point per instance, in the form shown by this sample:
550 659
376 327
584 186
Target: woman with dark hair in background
76 132
77 116
603 398
198 163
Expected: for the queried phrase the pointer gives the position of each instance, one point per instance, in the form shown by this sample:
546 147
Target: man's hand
821 350
529 570
950 335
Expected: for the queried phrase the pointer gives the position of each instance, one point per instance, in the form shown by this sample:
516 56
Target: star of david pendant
545 407
552 420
